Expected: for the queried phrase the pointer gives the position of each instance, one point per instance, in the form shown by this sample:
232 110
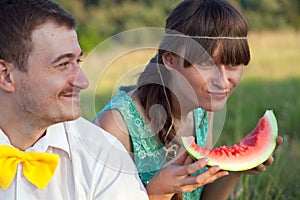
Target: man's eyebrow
67 55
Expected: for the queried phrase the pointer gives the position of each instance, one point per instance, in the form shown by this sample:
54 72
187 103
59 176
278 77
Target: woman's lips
218 95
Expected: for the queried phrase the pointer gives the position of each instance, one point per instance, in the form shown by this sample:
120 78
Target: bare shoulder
112 121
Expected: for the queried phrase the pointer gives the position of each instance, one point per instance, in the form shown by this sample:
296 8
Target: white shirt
93 165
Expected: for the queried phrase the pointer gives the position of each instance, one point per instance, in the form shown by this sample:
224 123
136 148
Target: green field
271 81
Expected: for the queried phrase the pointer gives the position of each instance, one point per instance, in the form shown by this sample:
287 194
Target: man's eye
65 65
79 61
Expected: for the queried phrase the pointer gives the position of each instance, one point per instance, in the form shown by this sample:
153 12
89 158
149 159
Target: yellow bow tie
38 168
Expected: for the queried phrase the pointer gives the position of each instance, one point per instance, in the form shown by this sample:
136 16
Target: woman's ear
6 82
169 59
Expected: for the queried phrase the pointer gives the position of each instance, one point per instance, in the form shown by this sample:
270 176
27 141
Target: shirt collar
56 136
3 138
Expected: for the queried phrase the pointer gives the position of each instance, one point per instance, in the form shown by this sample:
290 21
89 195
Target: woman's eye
233 65
207 64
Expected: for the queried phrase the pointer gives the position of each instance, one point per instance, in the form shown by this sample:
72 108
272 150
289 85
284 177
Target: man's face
49 91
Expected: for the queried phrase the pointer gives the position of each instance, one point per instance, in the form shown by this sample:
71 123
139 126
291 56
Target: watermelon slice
248 153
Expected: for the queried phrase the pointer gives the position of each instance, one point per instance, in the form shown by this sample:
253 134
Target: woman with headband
199 63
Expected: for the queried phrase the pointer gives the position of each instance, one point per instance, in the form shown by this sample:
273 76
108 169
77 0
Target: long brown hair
207 18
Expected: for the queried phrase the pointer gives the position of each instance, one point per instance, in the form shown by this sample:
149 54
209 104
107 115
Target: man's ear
6 82
169 59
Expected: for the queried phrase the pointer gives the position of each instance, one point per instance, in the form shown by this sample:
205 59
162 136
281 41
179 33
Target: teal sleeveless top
149 154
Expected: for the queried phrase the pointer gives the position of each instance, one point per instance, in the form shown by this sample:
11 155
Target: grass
246 105
271 81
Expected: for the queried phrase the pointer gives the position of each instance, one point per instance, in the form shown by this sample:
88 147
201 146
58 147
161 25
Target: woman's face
207 85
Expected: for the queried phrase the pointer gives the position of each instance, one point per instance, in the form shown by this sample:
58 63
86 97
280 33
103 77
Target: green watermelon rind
188 143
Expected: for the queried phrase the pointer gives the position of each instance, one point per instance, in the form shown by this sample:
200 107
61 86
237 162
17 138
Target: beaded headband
209 37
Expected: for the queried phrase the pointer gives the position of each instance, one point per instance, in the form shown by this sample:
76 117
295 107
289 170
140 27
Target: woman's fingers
190 183
269 161
279 140
260 168
185 182
186 170
208 176
180 160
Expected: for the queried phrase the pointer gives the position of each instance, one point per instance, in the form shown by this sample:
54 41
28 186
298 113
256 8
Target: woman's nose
221 77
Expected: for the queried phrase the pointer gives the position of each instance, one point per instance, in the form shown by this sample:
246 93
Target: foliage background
100 19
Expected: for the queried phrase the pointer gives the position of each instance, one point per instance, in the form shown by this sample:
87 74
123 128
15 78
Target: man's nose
79 80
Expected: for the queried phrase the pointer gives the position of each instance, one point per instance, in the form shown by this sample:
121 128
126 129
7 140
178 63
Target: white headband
209 37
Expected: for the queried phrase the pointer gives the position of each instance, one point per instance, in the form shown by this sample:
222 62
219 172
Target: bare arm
176 173
221 188
178 178
113 122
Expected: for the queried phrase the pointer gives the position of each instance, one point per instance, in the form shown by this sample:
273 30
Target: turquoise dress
149 154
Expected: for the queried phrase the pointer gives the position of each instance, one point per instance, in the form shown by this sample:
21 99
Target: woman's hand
175 177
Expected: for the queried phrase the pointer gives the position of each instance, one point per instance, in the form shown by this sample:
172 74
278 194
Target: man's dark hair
18 18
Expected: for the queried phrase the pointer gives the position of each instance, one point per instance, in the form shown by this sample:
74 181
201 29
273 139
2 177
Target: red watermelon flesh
248 153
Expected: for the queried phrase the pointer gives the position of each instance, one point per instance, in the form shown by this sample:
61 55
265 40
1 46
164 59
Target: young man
40 82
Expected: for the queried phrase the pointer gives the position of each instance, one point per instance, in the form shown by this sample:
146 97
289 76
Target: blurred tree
91 2
100 19
75 7
291 9
271 14
249 4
